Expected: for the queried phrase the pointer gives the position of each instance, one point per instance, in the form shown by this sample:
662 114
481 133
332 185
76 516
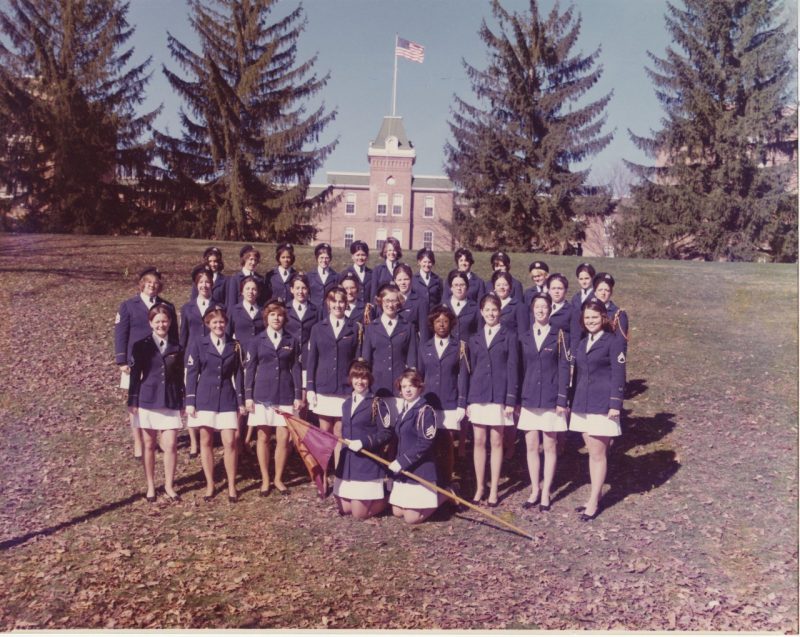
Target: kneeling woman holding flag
366 424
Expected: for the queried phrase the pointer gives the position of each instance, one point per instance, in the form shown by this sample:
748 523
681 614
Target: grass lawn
699 533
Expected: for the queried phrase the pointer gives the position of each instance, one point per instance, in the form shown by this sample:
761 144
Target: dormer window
392 143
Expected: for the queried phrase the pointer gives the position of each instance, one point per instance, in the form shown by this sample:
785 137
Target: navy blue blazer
273 375
513 316
244 328
446 378
214 381
380 276
467 320
495 370
219 289
301 329
562 320
415 312
619 319
156 379
389 356
357 313
131 325
545 371
416 431
432 291
371 424
318 290
277 289
475 290
192 324
328 360
233 295
599 375
365 288
516 290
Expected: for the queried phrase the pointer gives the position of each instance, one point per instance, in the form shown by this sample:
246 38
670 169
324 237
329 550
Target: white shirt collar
158 340
557 307
504 302
146 299
385 320
323 272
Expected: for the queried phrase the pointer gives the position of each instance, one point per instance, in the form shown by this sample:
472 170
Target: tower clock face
390 181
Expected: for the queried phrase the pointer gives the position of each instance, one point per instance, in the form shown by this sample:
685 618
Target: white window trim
425 207
395 198
383 200
347 202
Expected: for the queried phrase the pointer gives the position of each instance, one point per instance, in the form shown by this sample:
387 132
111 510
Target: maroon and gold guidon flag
314 446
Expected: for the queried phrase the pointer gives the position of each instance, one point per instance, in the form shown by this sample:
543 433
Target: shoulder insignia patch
621 358
430 431
117 319
190 362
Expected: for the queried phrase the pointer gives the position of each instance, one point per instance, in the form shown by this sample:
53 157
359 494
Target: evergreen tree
246 133
67 103
511 153
715 191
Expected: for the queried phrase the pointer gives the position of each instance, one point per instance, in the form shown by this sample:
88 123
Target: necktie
458 303
275 336
361 269
252 309
539 332
338 324
299 309
405 409
441 343
489 333
219 342
427 278
390 323
152 300
162 345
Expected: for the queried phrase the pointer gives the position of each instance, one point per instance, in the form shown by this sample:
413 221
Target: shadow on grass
635 387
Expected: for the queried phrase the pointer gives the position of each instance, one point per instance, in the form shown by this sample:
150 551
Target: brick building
389 200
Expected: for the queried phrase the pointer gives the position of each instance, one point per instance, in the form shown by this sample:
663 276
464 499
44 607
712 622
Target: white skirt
265 415
215 419
412 495
492 414
595 424
160 419
447 419
541 420
328 406
359 489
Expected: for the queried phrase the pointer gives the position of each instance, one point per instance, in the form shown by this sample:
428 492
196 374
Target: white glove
395 467
311 398
460 413
355 445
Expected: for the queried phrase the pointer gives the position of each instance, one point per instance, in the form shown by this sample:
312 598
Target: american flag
410 50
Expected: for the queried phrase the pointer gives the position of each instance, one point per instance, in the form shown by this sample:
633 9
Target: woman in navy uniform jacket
279 279
512 313
390 344
301 316
246 322
493 388
272 380
466 310
599 387
501 262
332 347
249 257
545 360
444 370
585 274
131 324
360 253
323 278
366 424
354 306
155 396
384 272
603 284
212 257
414 308
416 431
215 396
426 281
476 288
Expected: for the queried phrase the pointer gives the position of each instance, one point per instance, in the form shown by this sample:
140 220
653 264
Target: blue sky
354 41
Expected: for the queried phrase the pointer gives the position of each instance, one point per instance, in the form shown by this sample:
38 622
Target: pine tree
67 102
715 192
512 153
246 134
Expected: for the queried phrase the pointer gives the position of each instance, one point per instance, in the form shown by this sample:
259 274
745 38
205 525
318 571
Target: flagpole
423 481
394 81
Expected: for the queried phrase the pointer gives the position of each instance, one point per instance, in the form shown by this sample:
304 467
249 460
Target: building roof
431 182
348 179
392 126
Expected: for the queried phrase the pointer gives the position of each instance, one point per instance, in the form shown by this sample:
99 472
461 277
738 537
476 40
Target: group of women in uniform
393 360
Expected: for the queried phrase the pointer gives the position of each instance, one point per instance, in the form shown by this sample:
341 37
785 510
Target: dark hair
323 247
538 265
545 296
213 312
384 289
598 306
150 269
603 277
438 311
200 270
500 274
245 249
248 250
284 247
456 274
412 375
463 252
359 245
247 279
585 267
299 276
425 252
159 308
360 368
502 257
491 297
273 306
351 276
218 253
331 295
557 276
396 244
403 267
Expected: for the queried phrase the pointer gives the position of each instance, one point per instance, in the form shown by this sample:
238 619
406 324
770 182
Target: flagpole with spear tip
423 481
394 81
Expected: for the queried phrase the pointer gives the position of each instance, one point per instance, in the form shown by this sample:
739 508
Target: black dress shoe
588 518
493 505
173 498
193 454
544 508
580 509
283 492
233 498
150 498
208 498
529 505
264 494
